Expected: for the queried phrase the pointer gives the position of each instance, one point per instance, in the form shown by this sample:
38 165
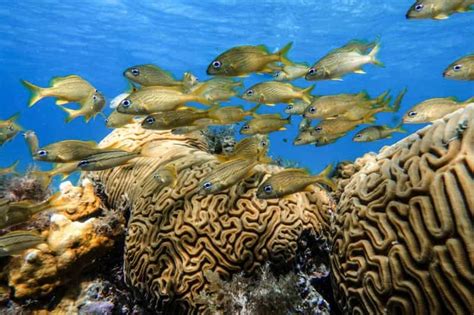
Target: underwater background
98 39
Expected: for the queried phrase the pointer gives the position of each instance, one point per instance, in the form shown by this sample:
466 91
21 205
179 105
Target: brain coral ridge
403 233
174 235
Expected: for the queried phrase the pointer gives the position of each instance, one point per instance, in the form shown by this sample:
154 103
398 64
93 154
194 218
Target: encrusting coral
175 235
403 232
69 247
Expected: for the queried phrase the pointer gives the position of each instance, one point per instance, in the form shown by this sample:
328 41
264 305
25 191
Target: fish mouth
446 74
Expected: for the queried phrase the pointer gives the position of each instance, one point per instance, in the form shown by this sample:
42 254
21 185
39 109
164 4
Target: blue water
98 39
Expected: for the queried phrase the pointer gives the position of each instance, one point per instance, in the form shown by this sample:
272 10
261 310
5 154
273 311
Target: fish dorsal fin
55 80
262 48
297 170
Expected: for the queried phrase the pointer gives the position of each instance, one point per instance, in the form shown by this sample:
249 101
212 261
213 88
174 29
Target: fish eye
126 103
358 135
312 71
83 163
457 67
412 113
245 127
419 7
10 127
318 129
94 97
150 120
312 109
268 189
276 74
289 107
263 143
216 64
249 92
135 71
42 152
207 185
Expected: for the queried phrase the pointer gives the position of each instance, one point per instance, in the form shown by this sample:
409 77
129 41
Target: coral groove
403 233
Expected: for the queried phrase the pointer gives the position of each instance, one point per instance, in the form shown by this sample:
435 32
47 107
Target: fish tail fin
255 108
399 128
396 104
12 168
282 54
44 177
36 92
13 117
200 97
72 113
373 55
323 177
307 97
469 100
382 98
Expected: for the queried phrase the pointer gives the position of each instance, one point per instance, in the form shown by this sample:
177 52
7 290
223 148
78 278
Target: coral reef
175 236
403 231
220 139
23 187
69 247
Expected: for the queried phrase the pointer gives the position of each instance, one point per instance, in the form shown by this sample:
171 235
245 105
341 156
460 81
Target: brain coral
174 235
403 240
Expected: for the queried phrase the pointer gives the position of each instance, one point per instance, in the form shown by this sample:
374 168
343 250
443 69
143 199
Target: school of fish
159 101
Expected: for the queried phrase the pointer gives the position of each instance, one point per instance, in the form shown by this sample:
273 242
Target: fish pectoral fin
282 128
441 16
336 79
61 102
360 71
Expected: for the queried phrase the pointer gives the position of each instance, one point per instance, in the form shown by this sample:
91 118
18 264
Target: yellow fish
12 213
68 151
437 9
335 105
291 181
64 169
150 100
119 120
374 133
461 69
251 148
9 121
226 175
339 62
92 106
263 124
15 242
243 60
230 114
433 109
291 72
69 89
106 160
173 119
151 75
272 92
339 126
